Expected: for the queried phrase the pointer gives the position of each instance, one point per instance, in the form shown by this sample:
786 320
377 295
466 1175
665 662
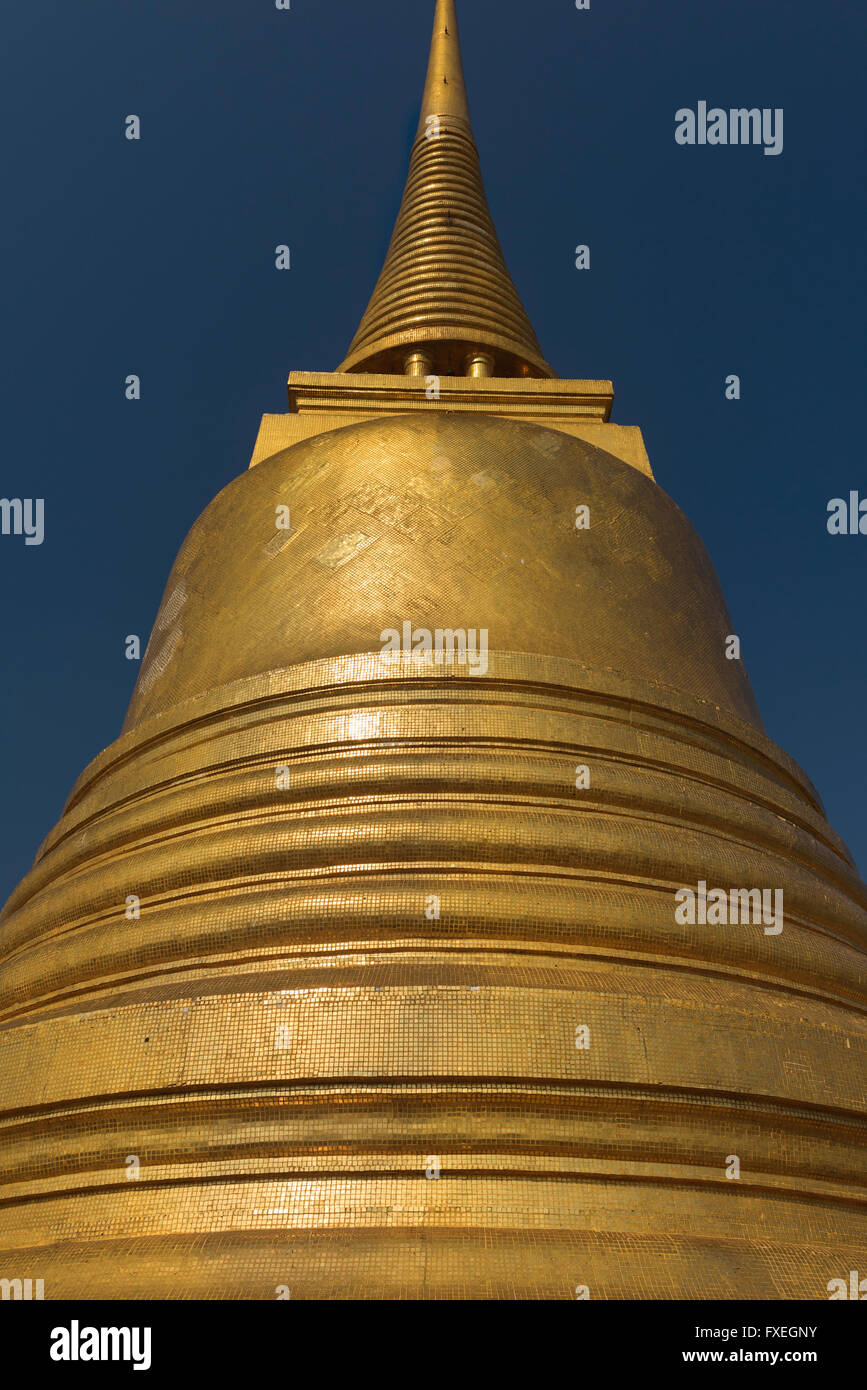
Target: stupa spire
445 92
445 301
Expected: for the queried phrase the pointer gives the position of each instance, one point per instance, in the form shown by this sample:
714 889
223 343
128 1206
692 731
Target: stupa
359 968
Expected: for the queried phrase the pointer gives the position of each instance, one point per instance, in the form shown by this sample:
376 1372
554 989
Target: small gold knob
417 364
479 364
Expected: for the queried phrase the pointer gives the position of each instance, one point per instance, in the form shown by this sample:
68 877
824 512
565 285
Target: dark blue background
262 126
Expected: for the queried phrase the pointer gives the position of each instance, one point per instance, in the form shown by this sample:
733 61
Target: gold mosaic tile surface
330 1046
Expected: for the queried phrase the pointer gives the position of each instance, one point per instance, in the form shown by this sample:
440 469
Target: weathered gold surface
289 1040
450 522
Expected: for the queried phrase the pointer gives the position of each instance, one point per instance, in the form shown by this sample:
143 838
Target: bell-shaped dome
448 522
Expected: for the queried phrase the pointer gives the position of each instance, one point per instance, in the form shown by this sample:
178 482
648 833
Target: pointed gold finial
445 93
444 296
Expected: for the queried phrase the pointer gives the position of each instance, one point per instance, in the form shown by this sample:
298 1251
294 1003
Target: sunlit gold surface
444 286
448 522
283 804
323 401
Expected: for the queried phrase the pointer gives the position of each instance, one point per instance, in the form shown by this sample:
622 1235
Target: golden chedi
359 971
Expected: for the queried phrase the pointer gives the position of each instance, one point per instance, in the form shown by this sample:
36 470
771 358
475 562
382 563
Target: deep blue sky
261 126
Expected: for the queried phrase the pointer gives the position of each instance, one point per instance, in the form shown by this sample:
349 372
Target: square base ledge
324 401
